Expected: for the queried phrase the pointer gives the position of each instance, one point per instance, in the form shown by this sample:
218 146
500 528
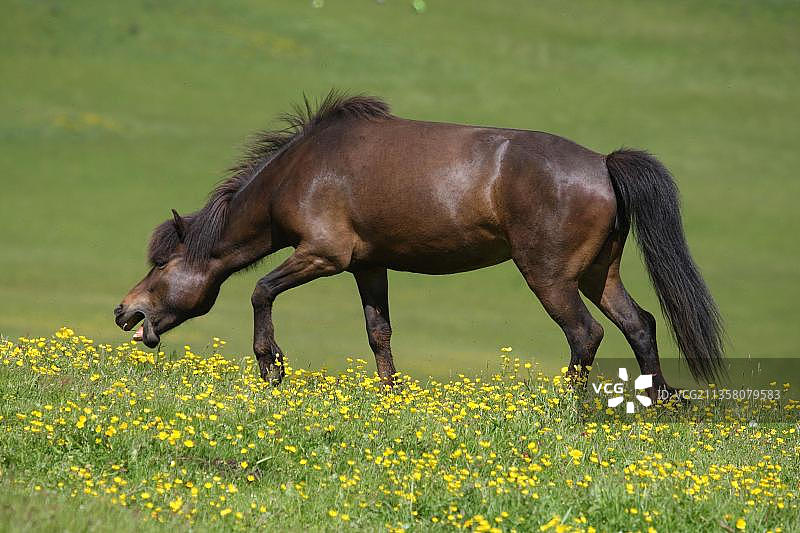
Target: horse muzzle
146 332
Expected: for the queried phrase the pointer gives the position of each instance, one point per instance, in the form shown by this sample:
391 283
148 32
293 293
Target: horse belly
436 260
428 248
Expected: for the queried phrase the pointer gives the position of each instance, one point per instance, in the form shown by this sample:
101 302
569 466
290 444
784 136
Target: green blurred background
113 113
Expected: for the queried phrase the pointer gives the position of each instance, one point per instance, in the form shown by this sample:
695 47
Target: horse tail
647 200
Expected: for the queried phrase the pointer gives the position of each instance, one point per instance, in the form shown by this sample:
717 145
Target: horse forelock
163 242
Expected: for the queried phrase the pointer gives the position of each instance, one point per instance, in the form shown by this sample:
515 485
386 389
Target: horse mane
204 227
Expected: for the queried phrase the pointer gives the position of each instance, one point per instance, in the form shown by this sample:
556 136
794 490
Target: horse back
430 197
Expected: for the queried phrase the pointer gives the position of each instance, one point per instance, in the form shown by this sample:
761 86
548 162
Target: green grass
23 509
95 437
113 114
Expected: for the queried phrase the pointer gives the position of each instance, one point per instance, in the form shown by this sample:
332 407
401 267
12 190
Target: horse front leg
301 267
373 286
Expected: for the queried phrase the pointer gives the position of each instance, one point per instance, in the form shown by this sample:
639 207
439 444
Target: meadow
113 113
148 441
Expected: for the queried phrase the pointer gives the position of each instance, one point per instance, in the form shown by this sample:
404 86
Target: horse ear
180 225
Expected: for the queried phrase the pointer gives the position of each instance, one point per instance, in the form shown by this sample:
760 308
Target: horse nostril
118 310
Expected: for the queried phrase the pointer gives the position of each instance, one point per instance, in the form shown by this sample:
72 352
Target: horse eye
161 266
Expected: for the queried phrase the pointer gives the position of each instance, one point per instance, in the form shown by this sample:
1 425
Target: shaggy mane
204 227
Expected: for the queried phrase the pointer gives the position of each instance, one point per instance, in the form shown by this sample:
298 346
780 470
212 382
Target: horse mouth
131 321
145 333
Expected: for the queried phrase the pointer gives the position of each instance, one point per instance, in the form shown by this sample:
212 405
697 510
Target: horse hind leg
601 283
560 298
584 334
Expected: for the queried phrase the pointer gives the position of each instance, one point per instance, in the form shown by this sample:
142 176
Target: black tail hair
648 198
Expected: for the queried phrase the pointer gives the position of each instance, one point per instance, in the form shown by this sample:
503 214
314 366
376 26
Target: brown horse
354 188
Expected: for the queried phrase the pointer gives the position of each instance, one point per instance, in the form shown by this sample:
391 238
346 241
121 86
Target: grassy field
146 442
112 114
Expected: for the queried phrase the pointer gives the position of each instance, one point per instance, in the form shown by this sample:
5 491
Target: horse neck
247 235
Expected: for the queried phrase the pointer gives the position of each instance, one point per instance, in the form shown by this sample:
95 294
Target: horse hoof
272 374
